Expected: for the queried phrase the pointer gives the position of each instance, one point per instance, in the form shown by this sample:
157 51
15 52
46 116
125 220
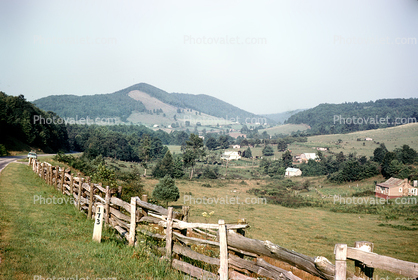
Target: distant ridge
282 117
355 116
120 104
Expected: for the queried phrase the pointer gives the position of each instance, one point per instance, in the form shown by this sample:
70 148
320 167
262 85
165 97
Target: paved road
4 161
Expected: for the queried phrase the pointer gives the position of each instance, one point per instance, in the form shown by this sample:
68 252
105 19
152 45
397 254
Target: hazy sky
262 56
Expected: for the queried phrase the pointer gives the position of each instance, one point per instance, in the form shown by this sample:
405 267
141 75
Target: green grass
310 231
55 240
285 129
393 137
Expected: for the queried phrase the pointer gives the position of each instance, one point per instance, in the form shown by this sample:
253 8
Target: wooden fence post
340 252
132 227
361 270
71 185
107 205
144 198
119 191
47 174
169 234
62 180
89 214
223 251
50 175
185 209
56 176
80 191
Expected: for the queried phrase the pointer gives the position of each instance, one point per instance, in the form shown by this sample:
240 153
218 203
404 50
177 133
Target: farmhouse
228 155
305 157
394 188
290 172
236 146
368 139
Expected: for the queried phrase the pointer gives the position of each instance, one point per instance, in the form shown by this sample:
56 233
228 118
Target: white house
228 155
236 147
290 172
369 139
306 157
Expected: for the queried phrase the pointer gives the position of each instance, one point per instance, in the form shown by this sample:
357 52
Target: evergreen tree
281 145
268 151
287 159
247 153
164 167
166 190
194 149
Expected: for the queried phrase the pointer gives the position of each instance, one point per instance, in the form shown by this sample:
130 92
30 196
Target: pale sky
261 56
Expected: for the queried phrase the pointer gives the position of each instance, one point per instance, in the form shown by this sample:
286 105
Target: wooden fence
240 258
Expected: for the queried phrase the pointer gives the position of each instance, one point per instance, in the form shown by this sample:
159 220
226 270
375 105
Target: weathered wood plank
119 202
405 268
169 234
192 270
187 252
157 209
271 250
223 251
340 252
132 228
192 240
120 222
120 215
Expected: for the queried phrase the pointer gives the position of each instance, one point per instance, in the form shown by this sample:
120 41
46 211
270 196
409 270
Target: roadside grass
55 240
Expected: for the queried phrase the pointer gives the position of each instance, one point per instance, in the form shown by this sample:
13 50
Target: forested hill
24 126
212 106
349 117
120 104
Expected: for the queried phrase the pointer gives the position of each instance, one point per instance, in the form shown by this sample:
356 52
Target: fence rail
239 257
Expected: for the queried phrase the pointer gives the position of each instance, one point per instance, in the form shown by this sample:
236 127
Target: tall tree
287 159
281 145
145 152
194 149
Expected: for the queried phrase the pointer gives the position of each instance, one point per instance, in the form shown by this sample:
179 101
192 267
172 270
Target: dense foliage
339 118
23 123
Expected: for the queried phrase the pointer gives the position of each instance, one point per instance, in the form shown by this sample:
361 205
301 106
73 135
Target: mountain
282 117
355 116
139 102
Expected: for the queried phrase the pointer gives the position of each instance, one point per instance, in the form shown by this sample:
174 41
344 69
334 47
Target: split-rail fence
240 258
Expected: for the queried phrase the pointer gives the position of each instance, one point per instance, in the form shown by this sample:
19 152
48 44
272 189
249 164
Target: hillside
282 117
350 117
25 127
142 103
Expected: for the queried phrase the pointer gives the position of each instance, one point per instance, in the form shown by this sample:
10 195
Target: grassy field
311 231
55 240
285 129
393 137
